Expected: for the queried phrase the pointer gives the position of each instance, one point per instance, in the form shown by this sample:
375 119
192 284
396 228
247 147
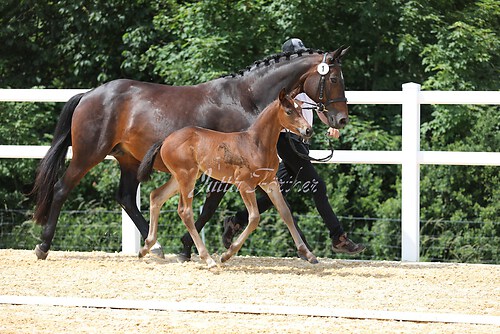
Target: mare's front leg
248 195
212 201
274 193
157 198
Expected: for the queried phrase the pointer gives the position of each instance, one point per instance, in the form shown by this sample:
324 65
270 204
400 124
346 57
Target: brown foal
246 159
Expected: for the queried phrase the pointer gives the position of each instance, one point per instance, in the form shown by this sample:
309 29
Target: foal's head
290 116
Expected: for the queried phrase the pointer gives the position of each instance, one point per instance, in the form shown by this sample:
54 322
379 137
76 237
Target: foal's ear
282 95
285 100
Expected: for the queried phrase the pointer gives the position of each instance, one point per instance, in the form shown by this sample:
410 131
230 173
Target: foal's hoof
302 256
309 257
183 257
212 265
142 253
225 257
157 251
40 254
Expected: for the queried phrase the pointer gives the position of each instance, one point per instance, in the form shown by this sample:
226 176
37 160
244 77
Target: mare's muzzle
337 119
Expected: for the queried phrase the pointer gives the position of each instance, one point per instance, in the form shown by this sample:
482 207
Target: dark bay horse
123 118
246 159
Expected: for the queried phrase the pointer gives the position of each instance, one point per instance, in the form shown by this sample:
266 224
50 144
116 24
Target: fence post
410 178
131 238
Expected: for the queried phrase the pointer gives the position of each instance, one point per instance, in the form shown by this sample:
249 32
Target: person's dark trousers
297 173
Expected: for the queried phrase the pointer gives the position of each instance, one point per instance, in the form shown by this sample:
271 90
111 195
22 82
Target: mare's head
290 116
325 85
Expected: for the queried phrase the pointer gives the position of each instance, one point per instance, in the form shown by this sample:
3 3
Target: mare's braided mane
272 59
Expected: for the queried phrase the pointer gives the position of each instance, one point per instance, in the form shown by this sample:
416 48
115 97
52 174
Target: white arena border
250 309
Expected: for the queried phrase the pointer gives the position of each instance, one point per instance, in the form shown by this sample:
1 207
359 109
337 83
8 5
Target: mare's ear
337 53
344 51
340 52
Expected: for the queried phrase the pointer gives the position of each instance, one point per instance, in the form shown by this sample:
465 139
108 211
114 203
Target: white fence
410 157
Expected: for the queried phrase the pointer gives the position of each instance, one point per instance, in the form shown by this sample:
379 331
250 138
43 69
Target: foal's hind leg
185 210
211 203
157 198
274 193
248 196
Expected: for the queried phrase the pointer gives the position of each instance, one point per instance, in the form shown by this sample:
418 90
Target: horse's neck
266 82
267 127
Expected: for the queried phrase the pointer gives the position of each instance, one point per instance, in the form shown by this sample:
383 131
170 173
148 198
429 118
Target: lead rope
306 156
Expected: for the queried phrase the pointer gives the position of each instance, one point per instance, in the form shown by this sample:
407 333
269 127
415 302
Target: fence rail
410 157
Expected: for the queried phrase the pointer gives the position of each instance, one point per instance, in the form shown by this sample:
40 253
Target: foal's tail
146 166
48 170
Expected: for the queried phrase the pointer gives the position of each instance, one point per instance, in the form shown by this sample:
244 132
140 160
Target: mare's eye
288 111
333 79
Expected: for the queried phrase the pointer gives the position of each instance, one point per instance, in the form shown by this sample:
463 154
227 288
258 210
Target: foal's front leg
274 193
248 195
157 198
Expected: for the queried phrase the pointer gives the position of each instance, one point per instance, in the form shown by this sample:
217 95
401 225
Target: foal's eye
288 111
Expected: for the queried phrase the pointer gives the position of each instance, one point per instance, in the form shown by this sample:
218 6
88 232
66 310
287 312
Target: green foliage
443 45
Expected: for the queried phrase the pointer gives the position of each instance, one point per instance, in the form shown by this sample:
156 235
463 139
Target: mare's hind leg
127 194
211 204
157 198
74 173
248 196
274 193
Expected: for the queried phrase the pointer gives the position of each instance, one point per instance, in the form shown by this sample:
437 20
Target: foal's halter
320 106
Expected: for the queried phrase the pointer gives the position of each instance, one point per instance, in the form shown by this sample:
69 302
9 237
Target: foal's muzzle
306 132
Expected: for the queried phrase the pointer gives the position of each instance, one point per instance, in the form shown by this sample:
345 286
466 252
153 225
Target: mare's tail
146 166
50 166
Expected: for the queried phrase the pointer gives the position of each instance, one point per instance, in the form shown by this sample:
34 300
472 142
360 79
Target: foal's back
228 157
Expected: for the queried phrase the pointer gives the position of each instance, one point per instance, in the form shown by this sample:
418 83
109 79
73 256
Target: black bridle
320 106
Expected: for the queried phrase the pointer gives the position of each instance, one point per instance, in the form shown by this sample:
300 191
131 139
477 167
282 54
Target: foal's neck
267 127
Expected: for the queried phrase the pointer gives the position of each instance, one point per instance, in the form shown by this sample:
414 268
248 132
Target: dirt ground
382 286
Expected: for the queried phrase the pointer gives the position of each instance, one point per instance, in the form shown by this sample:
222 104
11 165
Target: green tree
445 45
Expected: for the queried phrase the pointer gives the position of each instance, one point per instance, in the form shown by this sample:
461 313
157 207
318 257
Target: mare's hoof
183 257
313 260
40 254
157 251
